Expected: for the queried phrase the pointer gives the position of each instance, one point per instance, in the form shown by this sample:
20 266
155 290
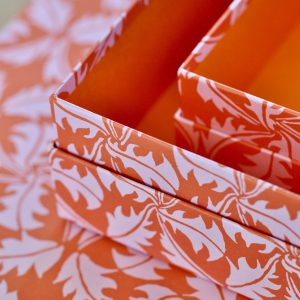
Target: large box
108 88
41 255
119 83
207 245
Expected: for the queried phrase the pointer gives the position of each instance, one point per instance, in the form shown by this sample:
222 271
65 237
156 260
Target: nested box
242 79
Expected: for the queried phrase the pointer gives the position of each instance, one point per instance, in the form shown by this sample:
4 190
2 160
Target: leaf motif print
131 230
209 290
278 221
236 9
209 91
51 16
204 170
28 102
257 283
84 278
84 237
22 201
14 31
5 294
105 142
235 231
87 28
248 201
139 265
198 233
56 25
291 262
115 5
8 126
154 292
83 186
24 143
25 53
2 84
293 289
28 252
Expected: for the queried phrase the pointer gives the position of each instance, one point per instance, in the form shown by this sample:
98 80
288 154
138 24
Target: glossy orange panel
144 61
261 53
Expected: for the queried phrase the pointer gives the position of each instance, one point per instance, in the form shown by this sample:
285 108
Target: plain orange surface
261 53
136 78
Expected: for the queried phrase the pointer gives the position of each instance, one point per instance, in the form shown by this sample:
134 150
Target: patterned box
243 55
82 131
41 255
155 223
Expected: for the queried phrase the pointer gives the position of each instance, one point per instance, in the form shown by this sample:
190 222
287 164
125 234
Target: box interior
135 82
261 53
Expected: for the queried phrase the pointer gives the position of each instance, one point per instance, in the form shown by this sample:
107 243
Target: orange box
252 52
41 255
155 176
96 88
245 261
233 152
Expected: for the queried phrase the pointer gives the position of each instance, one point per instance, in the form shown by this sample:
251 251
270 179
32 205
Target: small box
239 154
253 51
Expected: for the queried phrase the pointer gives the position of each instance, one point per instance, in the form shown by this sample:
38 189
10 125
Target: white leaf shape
155 291
25 53
293 289
205 289
71 230
89 29
125 186
84 278
204 170
278 221
291 262
85 237
197 232
29 102
255 283
87 186
2 86
14 31
4 294
130 230
162 174
233 229
237 8
115 5
178 257
28 252
57 64
23 202
67 213
209 91
50 16
139 265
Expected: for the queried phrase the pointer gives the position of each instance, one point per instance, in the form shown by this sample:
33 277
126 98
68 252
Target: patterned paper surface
242 116
252 202
42 256
152 222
